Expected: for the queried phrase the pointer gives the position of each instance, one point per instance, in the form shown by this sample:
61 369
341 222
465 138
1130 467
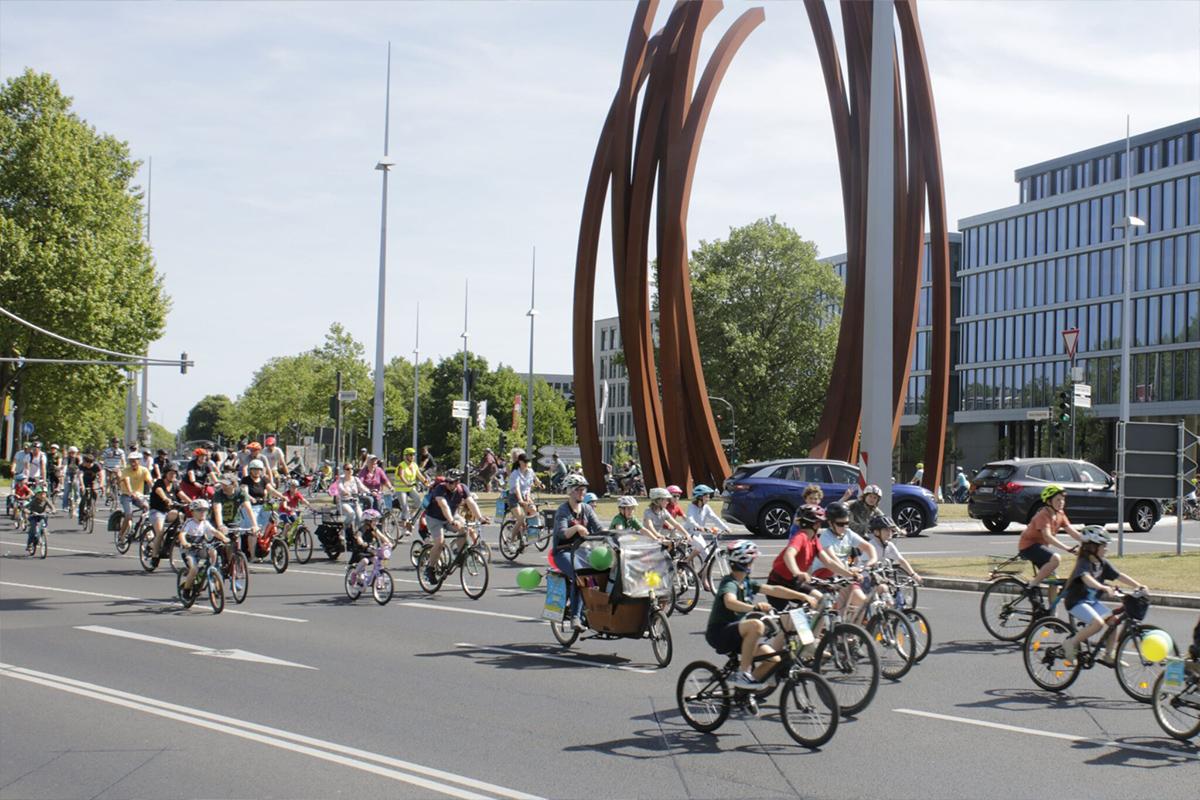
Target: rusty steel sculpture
655 160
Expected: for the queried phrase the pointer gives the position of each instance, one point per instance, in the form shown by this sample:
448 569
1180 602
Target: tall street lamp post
383 166
532 313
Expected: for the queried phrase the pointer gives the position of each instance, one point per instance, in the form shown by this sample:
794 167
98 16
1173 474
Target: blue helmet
590 497
701 490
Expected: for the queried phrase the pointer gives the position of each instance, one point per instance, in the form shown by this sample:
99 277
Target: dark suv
1006 492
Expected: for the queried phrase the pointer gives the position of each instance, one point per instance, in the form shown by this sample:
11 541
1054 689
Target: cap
270 441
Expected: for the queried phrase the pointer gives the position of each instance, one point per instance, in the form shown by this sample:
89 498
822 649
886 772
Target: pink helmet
675 490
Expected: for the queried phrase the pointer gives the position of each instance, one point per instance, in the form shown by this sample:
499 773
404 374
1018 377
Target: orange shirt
1033 534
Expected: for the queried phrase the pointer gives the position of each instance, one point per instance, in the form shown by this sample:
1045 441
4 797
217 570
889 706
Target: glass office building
1056 261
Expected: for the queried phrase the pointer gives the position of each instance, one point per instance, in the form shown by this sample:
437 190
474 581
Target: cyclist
408 476
442 514
198 533
20 492
114 461
289 506
625 518
135 483
520 491
591 498
573 521
918 475
427 462
882 529
91 482
729 630
165 492
673 506
54 469
374 478
487 468
346 489
273 457
1041 534
159 464
39 506
657 520
197 475
863 508
362 545
70 475
813 495
1084 588
558 473
255 490
226 503
840 541
701 519
35 464
792 568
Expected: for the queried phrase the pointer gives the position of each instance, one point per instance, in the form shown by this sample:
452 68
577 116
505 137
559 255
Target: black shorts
1039 554
795 584
725 639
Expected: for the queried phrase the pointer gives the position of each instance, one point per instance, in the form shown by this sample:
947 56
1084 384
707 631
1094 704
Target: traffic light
183 363
472 375
503 441
333 407
387 426
1064 407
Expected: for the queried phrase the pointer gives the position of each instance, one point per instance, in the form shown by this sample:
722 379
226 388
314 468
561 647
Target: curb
972 585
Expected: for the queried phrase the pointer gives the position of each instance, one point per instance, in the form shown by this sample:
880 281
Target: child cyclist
1084 588
626 518
729 630
289 504
197 533
1037 539
882 529
38 507
366 538
793 567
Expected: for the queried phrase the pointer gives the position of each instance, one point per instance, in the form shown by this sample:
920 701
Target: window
1060 472
843 475
1089 473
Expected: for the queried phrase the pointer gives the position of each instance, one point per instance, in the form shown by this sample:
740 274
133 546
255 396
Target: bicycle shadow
1128 751
987 647
524 656
1034 700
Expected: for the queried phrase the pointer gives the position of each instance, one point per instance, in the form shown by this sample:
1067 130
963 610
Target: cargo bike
624 601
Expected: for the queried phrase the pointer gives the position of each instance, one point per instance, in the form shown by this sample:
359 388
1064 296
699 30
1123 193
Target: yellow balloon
1155 647
653 579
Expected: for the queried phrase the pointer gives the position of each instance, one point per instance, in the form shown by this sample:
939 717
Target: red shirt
806 552
675 510
290 502
22 491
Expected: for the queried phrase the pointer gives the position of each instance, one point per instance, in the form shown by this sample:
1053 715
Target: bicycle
112 481
20 515
377 577
1009 607
1050 669
1176 696
539 530
469 560
904 587
685 586
297 536
136 531
808 705
237 569
166 550
207 577
845 654
87 510
39 547
269 542
891 630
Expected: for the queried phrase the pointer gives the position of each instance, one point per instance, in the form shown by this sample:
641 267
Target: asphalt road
108 689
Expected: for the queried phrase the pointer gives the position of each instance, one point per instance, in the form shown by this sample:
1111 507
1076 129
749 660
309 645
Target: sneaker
429 576
577 624
744 680
751 706
1069 648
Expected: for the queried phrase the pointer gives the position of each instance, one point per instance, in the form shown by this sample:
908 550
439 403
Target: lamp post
531 313
416 375
465 455
383 166
732 424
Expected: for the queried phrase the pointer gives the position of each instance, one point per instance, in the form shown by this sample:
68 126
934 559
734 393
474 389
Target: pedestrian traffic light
503 441
1064 407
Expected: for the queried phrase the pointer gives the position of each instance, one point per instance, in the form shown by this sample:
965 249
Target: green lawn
1163 572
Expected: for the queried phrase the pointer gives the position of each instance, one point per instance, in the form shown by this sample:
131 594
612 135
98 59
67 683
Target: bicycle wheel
429 586
148 562
564 632
1006 610
473 573
89 520
353 588
660 638
279 555
176 559
1044 658
41 547
414 551
216 591
908 594
383 587
239 578
922 637
302 546
716 571
1134 672
391 524
894 639
809 709
1178 713
687 589
847 659
511 542
121 542
187 596
703 696
485 549
544 535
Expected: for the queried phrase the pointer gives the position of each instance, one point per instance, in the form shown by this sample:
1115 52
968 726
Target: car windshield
998 472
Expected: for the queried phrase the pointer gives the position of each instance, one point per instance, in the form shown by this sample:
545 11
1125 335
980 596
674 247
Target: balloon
653 579
601 557
529 578
1156 645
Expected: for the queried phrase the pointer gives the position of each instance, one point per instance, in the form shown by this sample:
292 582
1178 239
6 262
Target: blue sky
265 121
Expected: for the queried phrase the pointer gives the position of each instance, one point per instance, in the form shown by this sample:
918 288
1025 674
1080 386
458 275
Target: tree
767 315
280 394
213 416
73 261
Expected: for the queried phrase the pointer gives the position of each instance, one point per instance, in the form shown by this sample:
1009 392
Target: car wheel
910 517
995 524
1142 516
775 519
1033 512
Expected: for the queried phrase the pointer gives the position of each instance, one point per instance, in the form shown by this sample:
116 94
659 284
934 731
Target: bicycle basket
1136 606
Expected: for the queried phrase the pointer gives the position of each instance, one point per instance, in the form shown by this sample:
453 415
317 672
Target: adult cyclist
442 514
408 478
114 461
573 521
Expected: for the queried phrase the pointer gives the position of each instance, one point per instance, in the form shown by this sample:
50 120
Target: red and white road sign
862 471
1070 339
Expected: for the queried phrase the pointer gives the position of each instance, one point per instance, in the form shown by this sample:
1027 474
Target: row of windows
1157 377
1157 320
1094 171
1163 262
610 369
610 339
1163 206
618 424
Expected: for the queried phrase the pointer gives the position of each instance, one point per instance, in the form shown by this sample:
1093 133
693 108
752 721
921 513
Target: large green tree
767 316
72 261
213 416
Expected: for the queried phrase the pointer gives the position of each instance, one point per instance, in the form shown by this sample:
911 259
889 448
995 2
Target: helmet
134 455
255 464
227 480
293 484
572 482
579 464
673 489
701 490
960 469
486 450
20 476
660 494
626 501
1050 491
39 489
270 441
114 440
872 489
254 446
371 514
809 516
881 523
837 510
199 504
920 465
72 449
199 451
590 497
408 451
1095 534
742 553
453 475
53 447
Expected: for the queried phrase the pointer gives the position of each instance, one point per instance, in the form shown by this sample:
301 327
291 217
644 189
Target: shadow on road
986 647
532 656
1034 700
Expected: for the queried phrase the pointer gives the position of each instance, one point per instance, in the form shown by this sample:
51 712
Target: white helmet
1095 534
255 464
872 489
199 504
742 553
626 501
659 494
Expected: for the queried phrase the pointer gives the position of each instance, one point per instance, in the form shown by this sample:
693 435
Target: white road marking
579 662
1049 734
142 600
468 611
197 650
356 758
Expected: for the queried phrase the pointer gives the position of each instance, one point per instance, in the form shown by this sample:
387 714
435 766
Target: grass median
1162 572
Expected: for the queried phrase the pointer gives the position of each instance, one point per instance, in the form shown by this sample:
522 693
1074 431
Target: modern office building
564 384
1055 262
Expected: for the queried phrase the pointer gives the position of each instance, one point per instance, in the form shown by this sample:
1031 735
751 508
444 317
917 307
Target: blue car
764 496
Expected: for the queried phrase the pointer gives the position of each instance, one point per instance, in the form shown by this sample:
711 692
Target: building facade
1055 262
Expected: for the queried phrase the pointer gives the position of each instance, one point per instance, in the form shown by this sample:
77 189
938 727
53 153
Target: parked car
1007 492
764 496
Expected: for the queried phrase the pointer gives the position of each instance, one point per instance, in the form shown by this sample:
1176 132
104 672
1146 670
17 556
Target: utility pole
337 426
466 423
383 166
532 314
416 376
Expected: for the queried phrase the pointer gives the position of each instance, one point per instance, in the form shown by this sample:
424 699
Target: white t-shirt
35 467
889 552
841 547
194 532
700 518
521 481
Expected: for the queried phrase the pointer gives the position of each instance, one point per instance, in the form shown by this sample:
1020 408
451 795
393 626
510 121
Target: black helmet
881 522
453 475
837 510
809 516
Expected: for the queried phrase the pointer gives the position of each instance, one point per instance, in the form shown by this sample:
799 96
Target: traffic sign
1037 413
27 428
1070 339
461 409
1077 374
348 395
1083 395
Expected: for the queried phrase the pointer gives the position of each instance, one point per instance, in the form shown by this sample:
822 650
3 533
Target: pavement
108 689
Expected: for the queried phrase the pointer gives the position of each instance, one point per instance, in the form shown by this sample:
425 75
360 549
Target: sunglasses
841 523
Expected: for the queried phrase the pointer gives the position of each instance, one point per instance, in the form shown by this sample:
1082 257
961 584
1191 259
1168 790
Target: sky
265 121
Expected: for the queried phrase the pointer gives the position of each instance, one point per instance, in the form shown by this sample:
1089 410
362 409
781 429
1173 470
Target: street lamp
465 455
385 164
732 424
531 313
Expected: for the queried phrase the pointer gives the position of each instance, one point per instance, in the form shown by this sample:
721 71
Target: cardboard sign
556 598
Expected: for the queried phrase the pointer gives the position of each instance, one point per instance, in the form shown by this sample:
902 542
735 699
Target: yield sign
1070 339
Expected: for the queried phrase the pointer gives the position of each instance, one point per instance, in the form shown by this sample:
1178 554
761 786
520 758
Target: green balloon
601 557
529 578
